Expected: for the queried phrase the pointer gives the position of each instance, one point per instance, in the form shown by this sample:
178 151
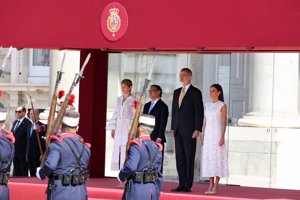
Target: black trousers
185 149
20 166
33 163
163 153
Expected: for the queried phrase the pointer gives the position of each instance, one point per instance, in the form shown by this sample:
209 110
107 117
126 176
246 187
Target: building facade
262 94
32 72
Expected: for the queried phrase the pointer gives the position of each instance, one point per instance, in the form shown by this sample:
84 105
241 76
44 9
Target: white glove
119 179
38 173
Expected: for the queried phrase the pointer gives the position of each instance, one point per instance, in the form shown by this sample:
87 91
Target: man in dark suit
33 151
187 121
19 128
160 111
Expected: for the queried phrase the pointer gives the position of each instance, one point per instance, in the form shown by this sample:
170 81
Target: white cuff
38 173
119 179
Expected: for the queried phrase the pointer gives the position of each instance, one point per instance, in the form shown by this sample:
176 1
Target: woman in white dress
214 163
120 124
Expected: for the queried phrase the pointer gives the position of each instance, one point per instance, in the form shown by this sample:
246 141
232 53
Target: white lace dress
214 157
121 122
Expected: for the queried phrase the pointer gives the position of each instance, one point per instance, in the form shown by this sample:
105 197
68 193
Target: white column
273 91
70 68
13 96
14 71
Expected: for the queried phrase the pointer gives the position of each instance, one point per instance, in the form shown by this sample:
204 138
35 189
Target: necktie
181 96
151 107
17 124
31 129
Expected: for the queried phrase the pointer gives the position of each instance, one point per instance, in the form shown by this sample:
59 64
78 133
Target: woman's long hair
219 89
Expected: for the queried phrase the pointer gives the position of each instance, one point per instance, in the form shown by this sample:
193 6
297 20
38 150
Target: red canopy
190 25
153 25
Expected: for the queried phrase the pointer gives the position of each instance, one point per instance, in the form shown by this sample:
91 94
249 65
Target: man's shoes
187 190
178 189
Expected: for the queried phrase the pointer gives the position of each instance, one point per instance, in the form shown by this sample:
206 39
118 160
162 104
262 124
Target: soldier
143 167
66 162
7 150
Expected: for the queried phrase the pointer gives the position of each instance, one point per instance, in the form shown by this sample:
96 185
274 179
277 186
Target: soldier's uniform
66 167
7 150
142 170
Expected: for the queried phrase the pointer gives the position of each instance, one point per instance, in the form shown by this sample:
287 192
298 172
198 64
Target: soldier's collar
145 137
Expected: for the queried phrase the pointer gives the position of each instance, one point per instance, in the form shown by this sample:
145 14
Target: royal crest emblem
113 21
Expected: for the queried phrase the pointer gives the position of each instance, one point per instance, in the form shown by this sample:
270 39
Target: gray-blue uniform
139 186
66 167
7 150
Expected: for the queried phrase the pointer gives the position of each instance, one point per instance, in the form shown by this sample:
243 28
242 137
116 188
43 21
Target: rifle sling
74 154
150 162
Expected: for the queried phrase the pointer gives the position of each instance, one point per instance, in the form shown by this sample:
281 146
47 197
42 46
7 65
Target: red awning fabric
190 25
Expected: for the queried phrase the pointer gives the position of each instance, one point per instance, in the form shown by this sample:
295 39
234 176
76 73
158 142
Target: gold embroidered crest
113 21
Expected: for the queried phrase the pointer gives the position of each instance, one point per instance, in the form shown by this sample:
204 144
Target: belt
4 178
145 177
71 179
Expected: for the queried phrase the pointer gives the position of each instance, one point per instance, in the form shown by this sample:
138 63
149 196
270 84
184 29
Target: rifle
35 121
53 106
53 103
138 111
4 60
57 122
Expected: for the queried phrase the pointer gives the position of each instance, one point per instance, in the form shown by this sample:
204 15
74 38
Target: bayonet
58 120
5 60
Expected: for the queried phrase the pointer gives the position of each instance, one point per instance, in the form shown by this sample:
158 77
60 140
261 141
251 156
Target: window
39 66
40 57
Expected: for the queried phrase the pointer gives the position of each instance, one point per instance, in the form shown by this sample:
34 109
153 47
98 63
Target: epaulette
61 137
136 142
159 146
55 137
8 134
82 141
88 144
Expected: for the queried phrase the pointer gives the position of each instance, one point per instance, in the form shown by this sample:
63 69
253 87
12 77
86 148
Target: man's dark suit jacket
161 112
189 117
33 150
21 137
